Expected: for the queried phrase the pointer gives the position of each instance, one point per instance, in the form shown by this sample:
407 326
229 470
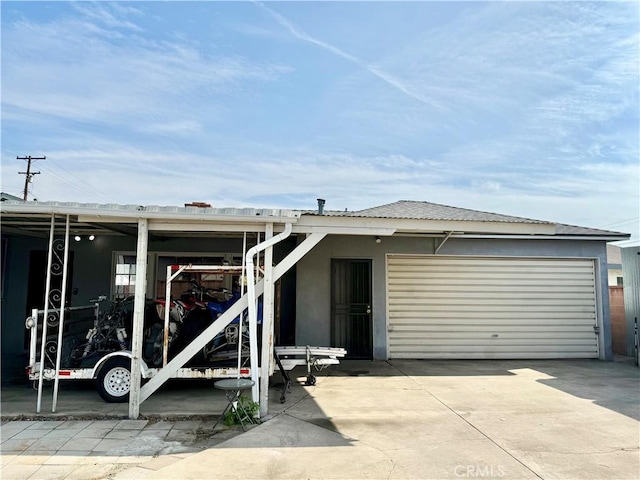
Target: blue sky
522 108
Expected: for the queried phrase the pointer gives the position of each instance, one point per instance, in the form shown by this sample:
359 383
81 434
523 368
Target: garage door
462 307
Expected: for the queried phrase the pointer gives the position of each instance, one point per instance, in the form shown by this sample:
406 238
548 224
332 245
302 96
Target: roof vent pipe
320 206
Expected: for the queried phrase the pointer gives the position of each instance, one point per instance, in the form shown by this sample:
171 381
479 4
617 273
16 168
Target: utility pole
28 174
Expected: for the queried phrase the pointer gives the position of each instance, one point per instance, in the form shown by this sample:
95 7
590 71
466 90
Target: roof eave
405 225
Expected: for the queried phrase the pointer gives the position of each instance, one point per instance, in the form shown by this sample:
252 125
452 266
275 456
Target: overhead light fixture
92 238
77 238
378 240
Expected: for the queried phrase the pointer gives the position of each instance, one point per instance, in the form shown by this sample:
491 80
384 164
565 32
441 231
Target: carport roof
34 218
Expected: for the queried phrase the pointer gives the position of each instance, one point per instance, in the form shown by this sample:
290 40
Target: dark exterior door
351 325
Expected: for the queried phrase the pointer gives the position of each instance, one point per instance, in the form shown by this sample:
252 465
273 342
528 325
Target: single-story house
408 279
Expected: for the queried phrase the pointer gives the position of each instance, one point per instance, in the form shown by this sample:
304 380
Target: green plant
245 409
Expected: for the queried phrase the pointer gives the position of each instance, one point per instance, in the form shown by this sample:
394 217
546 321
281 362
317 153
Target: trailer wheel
114 380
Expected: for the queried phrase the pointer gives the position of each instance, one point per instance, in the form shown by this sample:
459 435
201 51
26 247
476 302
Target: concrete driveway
437 419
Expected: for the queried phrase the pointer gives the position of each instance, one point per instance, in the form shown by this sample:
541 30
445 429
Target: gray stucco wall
313 303
14 306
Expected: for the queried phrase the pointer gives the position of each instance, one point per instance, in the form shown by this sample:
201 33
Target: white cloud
77 70
110 14
386 77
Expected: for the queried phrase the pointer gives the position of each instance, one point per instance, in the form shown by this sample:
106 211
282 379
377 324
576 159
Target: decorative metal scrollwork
57 262
54 301
55 296
53 319
50 351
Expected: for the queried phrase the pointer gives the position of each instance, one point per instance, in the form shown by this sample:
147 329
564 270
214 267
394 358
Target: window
125 276
619 280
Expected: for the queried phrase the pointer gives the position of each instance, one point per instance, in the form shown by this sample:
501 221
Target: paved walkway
84 449
378 420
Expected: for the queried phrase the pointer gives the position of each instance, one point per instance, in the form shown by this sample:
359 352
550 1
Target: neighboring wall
618 322
631 275
313 309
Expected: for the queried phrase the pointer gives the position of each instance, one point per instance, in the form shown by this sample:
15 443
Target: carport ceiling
39 225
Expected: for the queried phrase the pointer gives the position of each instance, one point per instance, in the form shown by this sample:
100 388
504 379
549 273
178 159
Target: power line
622 222
12 190
28 175
89 188
68 182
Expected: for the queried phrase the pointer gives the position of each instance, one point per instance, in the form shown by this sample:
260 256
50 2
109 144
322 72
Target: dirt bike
109 333
112 332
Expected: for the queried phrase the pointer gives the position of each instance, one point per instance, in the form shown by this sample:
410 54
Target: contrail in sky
390 80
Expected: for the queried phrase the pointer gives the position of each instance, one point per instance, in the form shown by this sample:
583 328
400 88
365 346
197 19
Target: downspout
251 300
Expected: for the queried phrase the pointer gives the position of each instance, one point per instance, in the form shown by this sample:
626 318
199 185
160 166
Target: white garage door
470 307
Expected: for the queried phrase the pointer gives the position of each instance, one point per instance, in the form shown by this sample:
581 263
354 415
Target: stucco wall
618 324
313 310
14 306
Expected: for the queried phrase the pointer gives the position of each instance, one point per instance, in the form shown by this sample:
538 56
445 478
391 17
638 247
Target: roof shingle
415 210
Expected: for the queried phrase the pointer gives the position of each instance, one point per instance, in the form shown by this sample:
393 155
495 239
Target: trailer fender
144 370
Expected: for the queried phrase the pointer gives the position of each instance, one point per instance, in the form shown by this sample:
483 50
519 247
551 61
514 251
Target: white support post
167 313
63 296
167 310
266 356
242 286
138 317
47 291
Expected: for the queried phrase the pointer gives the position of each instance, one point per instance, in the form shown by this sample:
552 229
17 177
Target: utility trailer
66 350
90 343
317 358
111 371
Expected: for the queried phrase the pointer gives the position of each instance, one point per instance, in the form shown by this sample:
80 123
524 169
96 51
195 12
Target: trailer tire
114 380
